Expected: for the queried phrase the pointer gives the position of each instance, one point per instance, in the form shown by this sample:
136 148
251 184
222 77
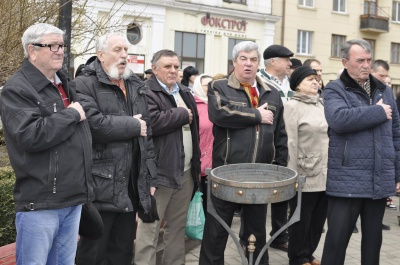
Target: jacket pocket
103 172
309 163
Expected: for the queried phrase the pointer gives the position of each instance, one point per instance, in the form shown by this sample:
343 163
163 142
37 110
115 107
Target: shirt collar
175 88
57 80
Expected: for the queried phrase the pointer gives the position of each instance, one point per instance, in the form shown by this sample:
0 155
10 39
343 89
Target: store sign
224 24
136 63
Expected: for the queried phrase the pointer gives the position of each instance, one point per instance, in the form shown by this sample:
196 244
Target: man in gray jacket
124 170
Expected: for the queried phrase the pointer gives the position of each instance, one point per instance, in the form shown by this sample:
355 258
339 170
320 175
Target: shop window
191 48
134 33
307 3
339 6
396 11
337 41
395 53
304 42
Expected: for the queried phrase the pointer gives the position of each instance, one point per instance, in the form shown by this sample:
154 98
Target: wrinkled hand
266 115
143 126
387 108
398 187
189 112
78 107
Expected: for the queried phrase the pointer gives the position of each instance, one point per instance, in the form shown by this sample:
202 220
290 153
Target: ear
32 53
100 56
344 62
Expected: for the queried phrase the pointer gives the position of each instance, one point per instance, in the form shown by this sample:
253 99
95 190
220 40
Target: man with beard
124 170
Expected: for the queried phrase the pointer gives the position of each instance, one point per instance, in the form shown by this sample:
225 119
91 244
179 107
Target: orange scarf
252 93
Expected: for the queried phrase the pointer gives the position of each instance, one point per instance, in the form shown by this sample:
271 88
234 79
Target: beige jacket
307 132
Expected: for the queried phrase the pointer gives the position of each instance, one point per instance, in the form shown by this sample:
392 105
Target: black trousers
215 237
279 217
115 247
304 235
342 215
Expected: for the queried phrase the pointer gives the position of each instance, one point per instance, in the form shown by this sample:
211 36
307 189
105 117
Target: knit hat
295 63
299 74
276 51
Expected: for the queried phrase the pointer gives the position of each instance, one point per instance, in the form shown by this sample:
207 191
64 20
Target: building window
396 11
372 44
337 41
191 48
236 1
304 42
395 53
339 6
134 33
307 3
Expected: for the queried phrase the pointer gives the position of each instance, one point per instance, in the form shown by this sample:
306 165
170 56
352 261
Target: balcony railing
374 18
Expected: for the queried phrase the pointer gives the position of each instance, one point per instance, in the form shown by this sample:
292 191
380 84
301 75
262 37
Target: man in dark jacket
124 170
48 141
248 128
175 124
364 152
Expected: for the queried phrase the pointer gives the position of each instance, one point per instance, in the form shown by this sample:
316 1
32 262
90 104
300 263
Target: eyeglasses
53 47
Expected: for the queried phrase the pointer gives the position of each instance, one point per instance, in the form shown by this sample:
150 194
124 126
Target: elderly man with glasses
49 144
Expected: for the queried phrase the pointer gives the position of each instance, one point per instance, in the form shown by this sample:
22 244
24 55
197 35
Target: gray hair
35 33
163 53
101 43
246 46
344 51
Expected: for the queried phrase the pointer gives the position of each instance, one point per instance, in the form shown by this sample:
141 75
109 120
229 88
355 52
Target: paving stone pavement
390 251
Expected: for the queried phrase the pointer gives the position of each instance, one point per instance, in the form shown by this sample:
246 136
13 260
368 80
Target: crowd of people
129 152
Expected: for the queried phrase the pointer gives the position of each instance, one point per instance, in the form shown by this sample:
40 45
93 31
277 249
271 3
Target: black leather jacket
120 154
239 136
48 146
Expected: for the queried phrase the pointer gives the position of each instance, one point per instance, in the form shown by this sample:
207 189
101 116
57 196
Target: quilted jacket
364 146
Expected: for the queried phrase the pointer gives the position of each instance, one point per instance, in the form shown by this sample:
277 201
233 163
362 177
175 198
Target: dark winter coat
239 136
364 146
167 121
120 154
49 147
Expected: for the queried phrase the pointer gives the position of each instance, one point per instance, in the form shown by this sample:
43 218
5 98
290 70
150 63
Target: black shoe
283 247
385 227
355 230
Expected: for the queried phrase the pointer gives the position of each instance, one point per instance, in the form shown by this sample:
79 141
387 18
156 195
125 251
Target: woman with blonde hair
307 132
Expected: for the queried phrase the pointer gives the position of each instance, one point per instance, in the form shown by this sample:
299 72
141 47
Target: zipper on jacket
256 145
55 173
55 107
228 139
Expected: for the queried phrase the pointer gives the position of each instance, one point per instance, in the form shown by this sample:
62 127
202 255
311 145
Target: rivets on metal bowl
297 186
215 186
240 192
275 192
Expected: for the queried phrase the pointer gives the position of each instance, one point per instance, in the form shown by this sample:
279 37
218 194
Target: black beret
295 63
276 51
299 74
148 71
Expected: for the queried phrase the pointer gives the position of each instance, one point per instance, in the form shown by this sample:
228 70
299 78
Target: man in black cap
148 74
295 64
277 64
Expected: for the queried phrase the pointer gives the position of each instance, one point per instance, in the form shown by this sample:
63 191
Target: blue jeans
47 236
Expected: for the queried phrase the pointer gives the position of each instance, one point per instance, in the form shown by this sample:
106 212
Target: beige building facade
316 28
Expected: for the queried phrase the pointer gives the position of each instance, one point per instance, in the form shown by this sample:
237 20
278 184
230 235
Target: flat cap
295 63
148 71
276 51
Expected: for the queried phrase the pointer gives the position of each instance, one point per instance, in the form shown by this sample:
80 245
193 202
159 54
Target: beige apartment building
316 28
203 32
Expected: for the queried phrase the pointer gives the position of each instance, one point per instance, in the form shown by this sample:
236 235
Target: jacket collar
351 83
37 78
309 99
234 82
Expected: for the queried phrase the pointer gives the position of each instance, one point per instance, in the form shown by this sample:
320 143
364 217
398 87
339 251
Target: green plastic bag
195 218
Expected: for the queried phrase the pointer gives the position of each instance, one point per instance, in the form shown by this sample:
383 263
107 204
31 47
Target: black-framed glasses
52 47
